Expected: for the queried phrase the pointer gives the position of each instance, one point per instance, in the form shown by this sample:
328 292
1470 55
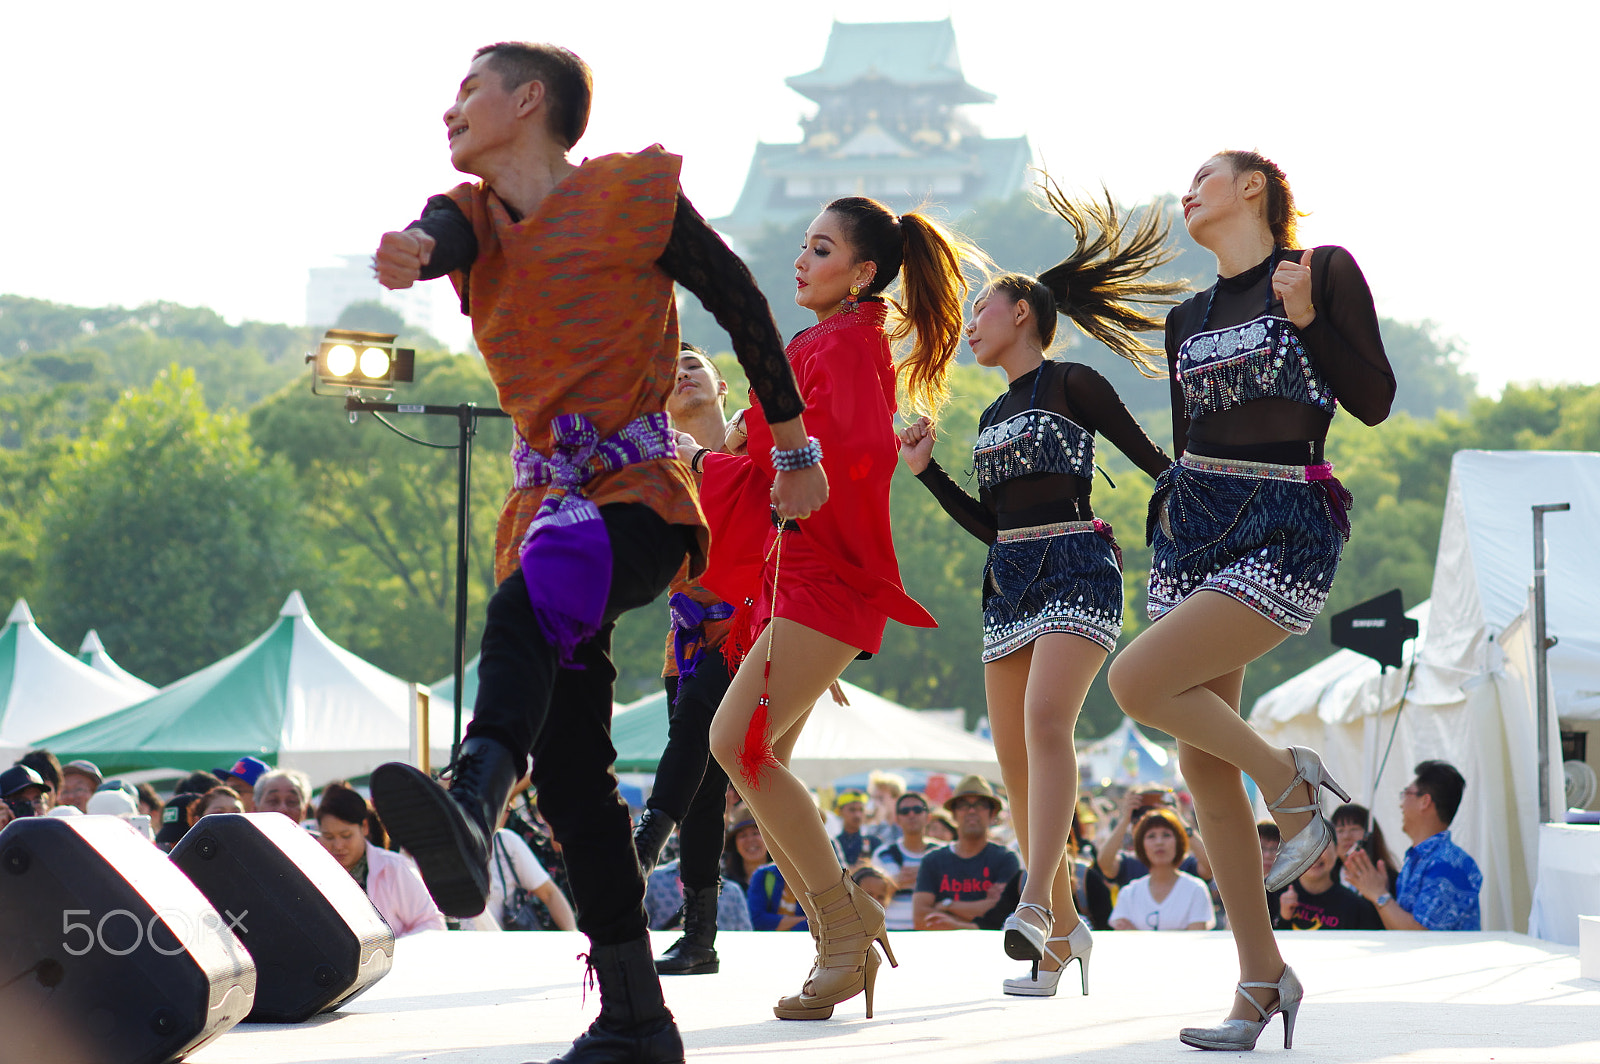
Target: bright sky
210 153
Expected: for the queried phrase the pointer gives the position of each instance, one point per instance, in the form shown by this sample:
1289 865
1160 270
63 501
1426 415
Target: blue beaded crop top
1247 383
1035 463
1221 368
1033 441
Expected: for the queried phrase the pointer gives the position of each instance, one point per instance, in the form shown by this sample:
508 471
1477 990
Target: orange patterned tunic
574 316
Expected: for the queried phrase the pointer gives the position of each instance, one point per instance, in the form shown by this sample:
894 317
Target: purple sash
689 630
566 555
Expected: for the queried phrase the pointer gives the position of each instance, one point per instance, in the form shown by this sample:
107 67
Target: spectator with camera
1353 826
961 885
1117 860
1164 898
22 794
1438 886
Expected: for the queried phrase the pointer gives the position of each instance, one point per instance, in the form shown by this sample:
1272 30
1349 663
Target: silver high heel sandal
1025 941
1299 853
1080 943
1240 1035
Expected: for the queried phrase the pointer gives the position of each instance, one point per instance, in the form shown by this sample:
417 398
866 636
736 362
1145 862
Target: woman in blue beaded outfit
1246 529
1052 586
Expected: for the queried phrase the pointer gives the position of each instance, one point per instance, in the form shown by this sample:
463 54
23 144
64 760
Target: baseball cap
112 803
248 769
84 768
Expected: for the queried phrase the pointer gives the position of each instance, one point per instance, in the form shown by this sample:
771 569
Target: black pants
690 786
529 704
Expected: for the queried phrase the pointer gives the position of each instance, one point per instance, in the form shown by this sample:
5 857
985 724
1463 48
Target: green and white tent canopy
43 689
870 733
292 697
93 653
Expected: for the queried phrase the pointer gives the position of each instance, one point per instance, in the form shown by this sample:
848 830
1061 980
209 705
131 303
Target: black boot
449 833
693 954
652 832
634 1026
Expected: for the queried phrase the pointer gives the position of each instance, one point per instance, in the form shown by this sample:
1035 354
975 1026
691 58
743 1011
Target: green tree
381 511
372 316
165 529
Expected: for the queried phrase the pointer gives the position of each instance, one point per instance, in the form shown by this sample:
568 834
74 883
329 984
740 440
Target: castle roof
918 55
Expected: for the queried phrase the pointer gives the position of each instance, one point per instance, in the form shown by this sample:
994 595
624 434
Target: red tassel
756 754
736 646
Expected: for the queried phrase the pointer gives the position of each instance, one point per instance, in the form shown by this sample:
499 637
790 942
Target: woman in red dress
817 593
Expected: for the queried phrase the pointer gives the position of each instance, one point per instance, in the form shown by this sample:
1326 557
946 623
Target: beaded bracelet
799 458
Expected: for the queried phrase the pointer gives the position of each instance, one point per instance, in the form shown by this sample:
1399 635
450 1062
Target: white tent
92 652
292 697
1470 696
1128 757
43 689
870 733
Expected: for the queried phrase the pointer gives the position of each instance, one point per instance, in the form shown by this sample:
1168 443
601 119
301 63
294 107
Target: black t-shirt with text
1336 909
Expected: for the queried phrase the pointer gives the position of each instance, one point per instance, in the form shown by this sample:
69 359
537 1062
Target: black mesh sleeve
1344 341
1180 410
454 245
966 511
697 258
1089 391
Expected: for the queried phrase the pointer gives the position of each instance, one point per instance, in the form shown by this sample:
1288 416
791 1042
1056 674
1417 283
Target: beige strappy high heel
849 922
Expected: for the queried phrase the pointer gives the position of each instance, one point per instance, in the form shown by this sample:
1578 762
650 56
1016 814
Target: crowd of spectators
1137 860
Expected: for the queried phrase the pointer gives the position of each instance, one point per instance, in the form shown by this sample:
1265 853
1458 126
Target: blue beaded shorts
1267 535
1064 577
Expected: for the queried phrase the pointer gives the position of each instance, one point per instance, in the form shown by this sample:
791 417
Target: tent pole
1541 652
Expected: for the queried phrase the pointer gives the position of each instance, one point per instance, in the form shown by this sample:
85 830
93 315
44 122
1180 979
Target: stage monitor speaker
1377 628
108 954
316 939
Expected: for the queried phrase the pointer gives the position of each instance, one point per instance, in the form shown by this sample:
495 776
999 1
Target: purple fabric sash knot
1335 496
1103 528
689 630
566 555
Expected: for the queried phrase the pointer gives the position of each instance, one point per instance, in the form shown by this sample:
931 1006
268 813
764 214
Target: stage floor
458 997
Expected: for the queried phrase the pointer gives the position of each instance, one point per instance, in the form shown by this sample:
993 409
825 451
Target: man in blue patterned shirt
1439 883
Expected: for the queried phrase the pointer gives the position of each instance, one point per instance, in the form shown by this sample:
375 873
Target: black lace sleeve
697 258
969 513
1092 393
454 245
1343 338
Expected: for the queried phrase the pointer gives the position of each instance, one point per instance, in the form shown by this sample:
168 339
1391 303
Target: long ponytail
932 293
1099 283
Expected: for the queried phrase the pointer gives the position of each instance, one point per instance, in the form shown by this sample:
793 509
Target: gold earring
848 303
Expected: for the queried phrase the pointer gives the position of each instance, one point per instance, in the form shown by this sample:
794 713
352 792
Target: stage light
379 366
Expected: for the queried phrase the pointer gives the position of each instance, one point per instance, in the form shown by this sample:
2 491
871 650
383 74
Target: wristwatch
1382 899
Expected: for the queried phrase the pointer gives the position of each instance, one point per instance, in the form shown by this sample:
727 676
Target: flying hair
1100 283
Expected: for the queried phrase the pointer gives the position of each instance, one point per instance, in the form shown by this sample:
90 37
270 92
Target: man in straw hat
959 885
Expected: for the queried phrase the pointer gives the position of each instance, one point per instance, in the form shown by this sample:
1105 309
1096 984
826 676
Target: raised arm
1343 338
916 451
1089 391
697 258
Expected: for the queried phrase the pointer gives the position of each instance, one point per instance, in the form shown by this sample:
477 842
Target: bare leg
783 749
1183 674
1058 681
803 666
1160 679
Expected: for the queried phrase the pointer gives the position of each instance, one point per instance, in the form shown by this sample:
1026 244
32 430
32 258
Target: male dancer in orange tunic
567 270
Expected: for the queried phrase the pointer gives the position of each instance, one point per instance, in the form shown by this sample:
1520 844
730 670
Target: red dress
838 575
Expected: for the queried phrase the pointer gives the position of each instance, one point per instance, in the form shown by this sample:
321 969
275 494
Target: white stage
456 997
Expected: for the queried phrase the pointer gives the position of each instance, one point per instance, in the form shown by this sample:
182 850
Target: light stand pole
466 415
1541 651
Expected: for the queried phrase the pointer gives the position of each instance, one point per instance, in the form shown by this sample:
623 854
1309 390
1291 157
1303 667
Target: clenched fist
401 257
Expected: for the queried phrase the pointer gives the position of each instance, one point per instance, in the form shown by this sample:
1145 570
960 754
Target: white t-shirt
1189 902
897 917
511 855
